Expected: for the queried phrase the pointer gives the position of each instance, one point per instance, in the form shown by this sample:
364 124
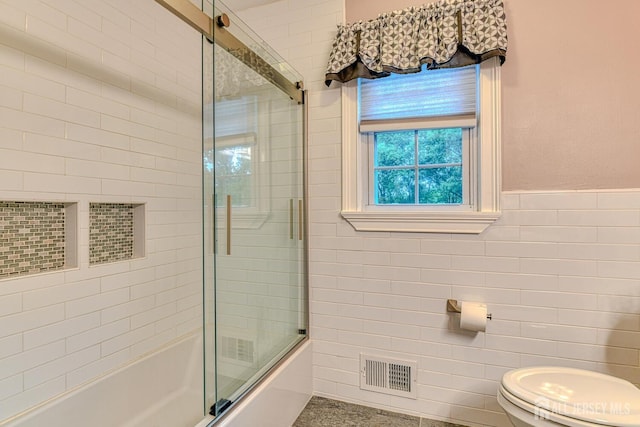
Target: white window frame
486 178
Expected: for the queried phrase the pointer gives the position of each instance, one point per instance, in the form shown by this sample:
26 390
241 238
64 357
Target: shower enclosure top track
215 32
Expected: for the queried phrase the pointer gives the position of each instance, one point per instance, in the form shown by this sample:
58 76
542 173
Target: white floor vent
390 376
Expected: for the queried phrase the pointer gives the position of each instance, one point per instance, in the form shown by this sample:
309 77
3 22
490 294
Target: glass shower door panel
257 167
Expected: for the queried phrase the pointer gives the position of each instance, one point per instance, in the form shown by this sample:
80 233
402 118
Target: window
239 159
421 151
419 167
235 167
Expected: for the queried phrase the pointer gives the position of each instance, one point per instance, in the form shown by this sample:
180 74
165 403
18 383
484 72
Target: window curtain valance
444 34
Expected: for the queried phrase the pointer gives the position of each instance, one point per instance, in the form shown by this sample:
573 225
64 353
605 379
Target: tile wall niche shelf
37 237
116 232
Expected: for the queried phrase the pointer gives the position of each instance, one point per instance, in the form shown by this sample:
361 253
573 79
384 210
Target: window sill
422 222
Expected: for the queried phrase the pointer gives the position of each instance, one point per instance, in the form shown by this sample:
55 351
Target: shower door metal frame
215 32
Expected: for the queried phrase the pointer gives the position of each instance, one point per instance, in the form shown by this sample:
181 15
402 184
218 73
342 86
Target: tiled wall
99 103
110 232
560 271
32 237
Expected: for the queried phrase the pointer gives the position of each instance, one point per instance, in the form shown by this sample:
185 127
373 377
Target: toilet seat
526 413
573 397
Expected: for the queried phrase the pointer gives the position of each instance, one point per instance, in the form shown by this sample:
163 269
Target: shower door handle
228 224
214 242
300 219
291 219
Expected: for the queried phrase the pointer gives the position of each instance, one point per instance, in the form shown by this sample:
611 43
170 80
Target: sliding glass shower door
255 308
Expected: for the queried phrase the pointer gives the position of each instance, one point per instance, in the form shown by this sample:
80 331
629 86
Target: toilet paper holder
454 307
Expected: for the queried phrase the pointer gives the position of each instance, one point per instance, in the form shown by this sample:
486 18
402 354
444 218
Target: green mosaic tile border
110 232
32 237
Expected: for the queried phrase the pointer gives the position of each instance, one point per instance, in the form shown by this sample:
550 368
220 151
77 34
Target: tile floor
323 412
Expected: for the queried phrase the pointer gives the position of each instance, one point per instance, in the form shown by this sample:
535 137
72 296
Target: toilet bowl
548 396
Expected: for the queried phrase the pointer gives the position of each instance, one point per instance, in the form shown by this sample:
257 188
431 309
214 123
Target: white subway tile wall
100 101
560 271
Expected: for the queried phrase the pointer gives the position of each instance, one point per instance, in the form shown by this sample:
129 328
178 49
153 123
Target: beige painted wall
571 92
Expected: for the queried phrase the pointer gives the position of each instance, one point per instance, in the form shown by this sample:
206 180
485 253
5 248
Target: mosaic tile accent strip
32 237
110 232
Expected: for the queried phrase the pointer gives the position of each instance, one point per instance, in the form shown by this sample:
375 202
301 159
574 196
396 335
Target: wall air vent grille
400 377
390 376
236 349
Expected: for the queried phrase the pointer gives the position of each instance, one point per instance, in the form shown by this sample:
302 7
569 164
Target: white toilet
546 396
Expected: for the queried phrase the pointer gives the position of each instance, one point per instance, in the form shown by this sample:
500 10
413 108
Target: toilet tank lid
576 393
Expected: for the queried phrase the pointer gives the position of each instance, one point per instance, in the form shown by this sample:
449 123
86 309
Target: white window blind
235 116
426 99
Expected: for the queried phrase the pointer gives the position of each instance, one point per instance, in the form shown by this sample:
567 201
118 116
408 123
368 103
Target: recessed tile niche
37 237
116 232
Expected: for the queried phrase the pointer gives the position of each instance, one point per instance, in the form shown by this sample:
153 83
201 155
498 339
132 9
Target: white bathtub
164 389
279 399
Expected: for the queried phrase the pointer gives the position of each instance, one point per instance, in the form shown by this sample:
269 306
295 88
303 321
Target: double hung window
419 131
421 151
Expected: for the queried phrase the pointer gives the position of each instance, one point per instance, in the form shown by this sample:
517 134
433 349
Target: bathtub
278 400
165 389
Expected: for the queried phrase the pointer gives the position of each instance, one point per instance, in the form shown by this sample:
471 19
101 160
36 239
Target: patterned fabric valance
445 34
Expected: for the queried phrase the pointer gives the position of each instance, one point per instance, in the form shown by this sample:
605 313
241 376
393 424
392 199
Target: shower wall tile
48 371
106 363
28 161
60 110
100 103
22 121
60 330
58 294
11 98
10 386
61 184
99 335
31 358
60 147
16 80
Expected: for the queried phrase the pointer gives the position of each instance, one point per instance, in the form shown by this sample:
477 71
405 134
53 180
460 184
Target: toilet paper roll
473 316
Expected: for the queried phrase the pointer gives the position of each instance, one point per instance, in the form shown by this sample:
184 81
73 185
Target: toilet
546 396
